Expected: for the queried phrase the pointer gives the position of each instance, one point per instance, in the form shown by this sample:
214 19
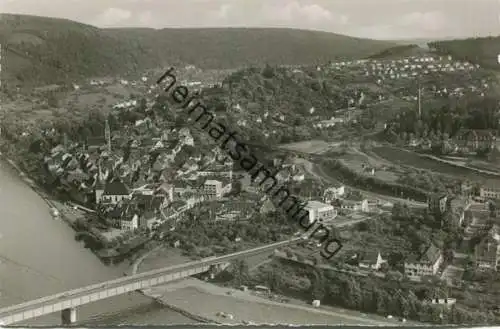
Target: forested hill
47 50
482 51
399 52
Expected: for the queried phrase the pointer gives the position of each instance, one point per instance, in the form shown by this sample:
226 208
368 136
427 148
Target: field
74 105
356 162
483 165
408 158
312 146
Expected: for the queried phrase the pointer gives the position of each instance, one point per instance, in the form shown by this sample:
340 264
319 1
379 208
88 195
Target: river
39 256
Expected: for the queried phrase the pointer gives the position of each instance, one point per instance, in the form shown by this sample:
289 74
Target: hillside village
148 179
390 149
138 187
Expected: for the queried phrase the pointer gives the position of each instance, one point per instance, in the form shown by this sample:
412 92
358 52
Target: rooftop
116 187
213 182
316 205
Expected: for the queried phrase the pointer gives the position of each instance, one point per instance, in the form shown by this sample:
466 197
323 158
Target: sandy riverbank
204 300
207 300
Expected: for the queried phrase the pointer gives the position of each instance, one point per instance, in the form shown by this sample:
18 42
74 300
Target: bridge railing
138 277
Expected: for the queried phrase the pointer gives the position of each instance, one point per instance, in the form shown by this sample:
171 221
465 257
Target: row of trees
204 238
366 294
441 122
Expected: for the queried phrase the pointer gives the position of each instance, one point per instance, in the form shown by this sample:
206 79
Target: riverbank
460 165
204 299
53 204
208 301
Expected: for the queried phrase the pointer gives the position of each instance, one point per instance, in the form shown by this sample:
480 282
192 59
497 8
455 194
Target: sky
376 19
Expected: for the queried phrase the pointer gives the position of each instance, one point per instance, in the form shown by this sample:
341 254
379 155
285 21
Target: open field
409 158
312 146
358 162
483 165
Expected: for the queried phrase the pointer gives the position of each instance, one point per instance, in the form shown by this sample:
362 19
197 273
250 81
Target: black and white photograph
206 163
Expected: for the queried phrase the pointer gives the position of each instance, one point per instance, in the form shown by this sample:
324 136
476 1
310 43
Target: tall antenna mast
65 140
419 101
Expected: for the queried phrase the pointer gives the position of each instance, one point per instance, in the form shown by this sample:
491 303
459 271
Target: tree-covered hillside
399 52
482 51
47 50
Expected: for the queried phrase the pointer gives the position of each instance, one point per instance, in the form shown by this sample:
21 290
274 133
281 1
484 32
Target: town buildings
473 140
113 192
319 211
437 203
213 188
490 190
355 205
372 260
487 252
333 193
425 265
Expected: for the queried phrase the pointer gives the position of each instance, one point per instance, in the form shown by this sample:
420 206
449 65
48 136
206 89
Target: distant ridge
42 50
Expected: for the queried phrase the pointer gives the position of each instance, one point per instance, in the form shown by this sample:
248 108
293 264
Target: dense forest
472 112
399 52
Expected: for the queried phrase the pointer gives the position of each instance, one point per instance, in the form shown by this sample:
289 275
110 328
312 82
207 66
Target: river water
39 256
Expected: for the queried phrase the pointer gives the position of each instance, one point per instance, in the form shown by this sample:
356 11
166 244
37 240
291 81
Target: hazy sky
382 19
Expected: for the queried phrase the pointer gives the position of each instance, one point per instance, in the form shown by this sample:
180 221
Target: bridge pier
216 269
68 316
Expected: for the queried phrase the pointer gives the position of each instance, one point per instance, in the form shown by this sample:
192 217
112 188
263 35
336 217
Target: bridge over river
66 302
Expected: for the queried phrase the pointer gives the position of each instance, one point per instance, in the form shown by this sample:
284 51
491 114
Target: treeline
392 295
203 238
337 169
437 123
398 51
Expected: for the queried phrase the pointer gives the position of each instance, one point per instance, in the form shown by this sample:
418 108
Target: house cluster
229 210
335 196
134 181
473 140
426 264
465 141
482 222
416 267
451 78
405 68
329 204
430 261
479 219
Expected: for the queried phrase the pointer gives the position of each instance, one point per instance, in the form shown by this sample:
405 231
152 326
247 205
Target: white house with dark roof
130 223
427 264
